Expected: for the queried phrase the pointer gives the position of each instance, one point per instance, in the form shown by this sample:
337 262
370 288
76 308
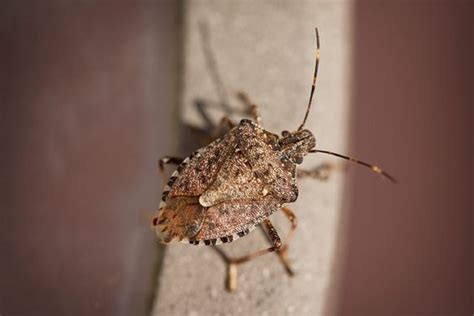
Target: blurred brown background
89 94
413 71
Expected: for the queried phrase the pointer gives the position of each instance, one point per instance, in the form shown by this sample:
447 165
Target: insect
224 190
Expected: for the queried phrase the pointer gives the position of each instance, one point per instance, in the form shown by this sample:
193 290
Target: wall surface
87 93
403 72
266 49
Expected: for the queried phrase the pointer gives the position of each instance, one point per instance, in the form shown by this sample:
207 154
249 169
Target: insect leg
224 126
250 107
283 251
233 262
320 172
165 161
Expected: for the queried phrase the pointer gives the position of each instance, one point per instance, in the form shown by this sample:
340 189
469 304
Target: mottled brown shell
225 189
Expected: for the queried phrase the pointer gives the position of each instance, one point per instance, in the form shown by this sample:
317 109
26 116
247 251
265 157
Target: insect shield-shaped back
225 189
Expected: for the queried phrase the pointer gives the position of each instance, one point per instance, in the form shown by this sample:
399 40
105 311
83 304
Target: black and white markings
221 240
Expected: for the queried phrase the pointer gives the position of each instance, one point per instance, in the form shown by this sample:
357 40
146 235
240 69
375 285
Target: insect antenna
363 163
313 86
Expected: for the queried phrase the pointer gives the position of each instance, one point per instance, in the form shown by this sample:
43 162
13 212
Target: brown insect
227 188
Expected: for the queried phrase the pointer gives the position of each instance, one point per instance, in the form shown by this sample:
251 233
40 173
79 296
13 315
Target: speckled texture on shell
182 217
227 187
201 170
235 216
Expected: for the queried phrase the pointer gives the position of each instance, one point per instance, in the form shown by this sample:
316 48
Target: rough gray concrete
267 50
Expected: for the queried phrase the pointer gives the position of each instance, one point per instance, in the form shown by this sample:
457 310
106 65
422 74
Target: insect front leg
166 160
250 107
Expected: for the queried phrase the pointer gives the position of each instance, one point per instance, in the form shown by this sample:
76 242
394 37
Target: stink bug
224 190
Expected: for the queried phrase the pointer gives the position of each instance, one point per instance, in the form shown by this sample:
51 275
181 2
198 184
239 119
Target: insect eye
298 159
285 133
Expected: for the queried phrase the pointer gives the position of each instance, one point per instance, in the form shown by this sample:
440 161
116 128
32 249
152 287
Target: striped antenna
374 168
313 86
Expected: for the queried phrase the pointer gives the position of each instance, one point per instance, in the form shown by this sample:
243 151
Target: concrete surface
267 50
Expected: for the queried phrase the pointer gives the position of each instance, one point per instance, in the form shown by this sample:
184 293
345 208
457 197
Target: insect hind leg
232 263
166 160
283 250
